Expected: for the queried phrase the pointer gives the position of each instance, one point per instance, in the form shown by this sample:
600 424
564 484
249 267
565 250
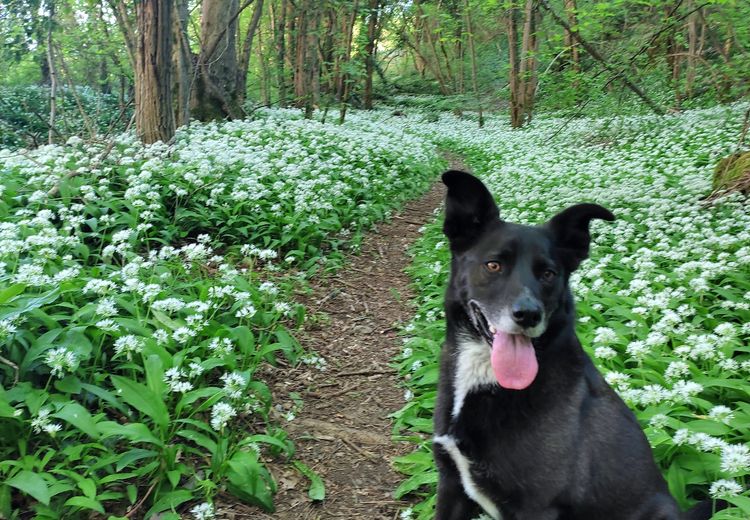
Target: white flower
221 346
42 423
735 458
724 488
247 311
234 384
61 360
204 511
676 370
174 377
659 420
128 345
221 414
721 413
106 307
605 336
605 353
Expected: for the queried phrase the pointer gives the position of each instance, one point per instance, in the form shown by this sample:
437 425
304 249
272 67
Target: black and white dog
525 426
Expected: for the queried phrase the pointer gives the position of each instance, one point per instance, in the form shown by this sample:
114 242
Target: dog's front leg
452 501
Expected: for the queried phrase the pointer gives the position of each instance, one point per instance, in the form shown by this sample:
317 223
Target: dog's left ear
469 207
570 229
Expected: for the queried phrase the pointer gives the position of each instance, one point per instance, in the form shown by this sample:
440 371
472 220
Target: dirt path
343 431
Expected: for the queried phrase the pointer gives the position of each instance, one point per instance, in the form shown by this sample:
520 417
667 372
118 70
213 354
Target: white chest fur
473 370
464 469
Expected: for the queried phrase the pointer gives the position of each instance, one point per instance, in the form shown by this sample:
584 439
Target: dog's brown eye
548 275
494 267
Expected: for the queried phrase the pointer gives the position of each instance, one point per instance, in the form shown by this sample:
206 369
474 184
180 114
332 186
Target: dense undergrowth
663 302
142 288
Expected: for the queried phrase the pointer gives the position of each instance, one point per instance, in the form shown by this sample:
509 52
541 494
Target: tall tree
213 96
182 62
52 72
154 115
240 88
472 52
370 48
514 83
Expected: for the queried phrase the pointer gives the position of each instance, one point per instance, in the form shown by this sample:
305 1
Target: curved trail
343 431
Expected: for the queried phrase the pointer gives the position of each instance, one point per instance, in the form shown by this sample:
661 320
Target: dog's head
510 279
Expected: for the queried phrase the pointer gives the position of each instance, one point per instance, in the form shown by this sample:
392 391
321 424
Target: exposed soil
343 431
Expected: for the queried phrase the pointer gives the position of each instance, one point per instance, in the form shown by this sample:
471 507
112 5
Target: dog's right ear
469 207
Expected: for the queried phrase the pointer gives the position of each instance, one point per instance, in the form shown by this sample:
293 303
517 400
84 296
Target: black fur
566 447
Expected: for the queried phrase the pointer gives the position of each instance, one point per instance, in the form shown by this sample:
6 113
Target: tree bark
692 30
213 95
516 107
126 27
52 75
265 82
472 52
154 116
247 47
280 35
527 75
182 62
372 26
345 81
571 43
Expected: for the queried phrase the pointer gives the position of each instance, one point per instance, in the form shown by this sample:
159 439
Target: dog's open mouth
513 356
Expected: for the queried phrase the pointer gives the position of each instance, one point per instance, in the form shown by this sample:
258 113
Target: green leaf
79 417
135 432
9 292
317 488
169 501
32 484
85 503
250 481
142 399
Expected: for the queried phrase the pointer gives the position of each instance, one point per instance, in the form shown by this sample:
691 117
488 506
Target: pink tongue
513 360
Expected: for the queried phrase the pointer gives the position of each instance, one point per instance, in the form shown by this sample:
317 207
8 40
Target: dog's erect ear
469 206
571 231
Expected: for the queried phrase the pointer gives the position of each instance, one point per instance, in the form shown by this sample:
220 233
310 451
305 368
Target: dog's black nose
526 313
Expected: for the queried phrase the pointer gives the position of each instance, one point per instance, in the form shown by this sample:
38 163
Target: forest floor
343 431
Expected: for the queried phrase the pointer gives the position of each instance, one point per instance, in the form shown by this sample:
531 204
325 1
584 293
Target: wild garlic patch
662 302
140 292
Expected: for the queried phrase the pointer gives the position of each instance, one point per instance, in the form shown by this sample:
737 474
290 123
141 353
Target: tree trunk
516 107
52 75
311 59
300 54
265 81
472 52
345 81
247 47
570 42
527 75
126 27
213 95
154 116
280 36
372 25
692 30
181 59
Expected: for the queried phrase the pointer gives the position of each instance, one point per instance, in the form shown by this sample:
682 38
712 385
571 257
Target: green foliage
140 297
24 114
